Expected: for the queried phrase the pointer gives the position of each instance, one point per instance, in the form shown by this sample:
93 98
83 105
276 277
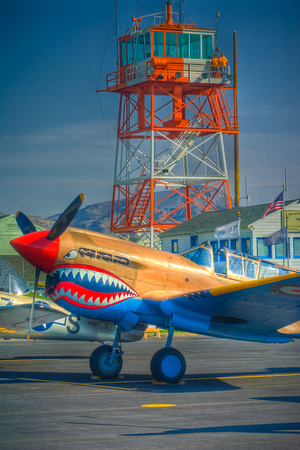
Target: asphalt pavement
234 395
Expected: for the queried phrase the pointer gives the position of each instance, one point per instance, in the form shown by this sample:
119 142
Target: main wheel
102 366
168 365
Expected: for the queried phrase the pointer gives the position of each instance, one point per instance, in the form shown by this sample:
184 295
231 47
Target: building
253 230
11 263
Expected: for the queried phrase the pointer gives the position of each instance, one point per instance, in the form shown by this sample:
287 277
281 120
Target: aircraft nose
37 249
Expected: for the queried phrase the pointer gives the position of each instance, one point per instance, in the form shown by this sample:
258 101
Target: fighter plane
51 321
105 278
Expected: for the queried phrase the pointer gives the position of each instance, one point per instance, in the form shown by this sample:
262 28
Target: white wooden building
253 230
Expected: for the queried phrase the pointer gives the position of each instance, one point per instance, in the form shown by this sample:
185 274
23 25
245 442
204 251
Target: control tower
174 109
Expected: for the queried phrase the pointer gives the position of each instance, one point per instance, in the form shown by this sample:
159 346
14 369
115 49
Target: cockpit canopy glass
234 264
202 255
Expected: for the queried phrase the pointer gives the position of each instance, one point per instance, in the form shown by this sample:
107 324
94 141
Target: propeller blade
37 274
65 218
24 223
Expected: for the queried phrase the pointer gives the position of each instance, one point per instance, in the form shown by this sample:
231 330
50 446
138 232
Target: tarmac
234 395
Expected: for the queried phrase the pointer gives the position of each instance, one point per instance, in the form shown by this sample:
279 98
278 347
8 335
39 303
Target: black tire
100 362
168 365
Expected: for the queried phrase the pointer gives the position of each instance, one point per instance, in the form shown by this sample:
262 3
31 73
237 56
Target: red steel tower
174 110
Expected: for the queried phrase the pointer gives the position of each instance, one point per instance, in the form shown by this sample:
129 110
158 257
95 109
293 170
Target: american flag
275 205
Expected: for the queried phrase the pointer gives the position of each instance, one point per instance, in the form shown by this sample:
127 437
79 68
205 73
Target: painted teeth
62 292
75 272
102 279
97 277
90 275
67 272
97 302
82 273
90 301
81 299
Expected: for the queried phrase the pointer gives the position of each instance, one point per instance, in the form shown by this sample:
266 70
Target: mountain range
97 217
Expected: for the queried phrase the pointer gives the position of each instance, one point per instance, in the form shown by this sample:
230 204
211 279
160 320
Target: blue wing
250 310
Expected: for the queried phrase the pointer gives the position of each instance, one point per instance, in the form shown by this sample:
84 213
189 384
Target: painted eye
71 255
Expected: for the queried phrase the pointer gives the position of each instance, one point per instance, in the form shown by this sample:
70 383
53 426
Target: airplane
106 278
50 320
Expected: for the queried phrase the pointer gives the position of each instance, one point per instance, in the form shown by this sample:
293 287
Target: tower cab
167 52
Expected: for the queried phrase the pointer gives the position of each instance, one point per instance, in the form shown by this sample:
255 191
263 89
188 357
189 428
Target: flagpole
282 225
287 241
286 221
239 232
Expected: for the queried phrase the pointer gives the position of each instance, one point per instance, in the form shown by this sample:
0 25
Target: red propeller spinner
37 249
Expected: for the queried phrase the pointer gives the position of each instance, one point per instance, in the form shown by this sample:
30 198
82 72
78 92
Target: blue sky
54 142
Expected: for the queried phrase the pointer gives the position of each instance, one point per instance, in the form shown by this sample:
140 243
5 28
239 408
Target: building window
282 250
296 242
215 247
183 45
206 47
158 49
234 244
171 45
174 245
246 247
123 54
12 227
148 45
139 48
194 241
263 251
130 57
195 46
223 243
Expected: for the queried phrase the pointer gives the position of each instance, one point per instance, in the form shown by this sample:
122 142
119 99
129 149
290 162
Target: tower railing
166 70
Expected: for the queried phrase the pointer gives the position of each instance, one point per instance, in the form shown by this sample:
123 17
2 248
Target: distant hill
40 222
96 217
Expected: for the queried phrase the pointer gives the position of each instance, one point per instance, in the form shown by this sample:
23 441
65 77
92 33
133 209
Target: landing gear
168 364
106 360
105 363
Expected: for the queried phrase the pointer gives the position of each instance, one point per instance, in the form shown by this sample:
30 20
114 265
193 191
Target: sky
58 137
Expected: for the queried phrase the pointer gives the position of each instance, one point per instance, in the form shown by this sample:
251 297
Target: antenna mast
117 37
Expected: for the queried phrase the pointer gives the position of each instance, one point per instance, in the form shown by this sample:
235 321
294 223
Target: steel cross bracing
185 155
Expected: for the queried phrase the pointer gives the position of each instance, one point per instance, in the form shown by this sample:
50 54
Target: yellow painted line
158 406
75 384
26 360
102 386
248 376
249 284
212 378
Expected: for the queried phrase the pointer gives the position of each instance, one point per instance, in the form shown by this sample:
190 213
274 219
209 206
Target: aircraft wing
16 317
254 307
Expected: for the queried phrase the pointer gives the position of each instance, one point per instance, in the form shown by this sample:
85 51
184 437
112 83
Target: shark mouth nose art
86 288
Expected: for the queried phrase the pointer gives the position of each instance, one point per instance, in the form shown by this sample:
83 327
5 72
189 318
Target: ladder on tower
180 147
141 201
